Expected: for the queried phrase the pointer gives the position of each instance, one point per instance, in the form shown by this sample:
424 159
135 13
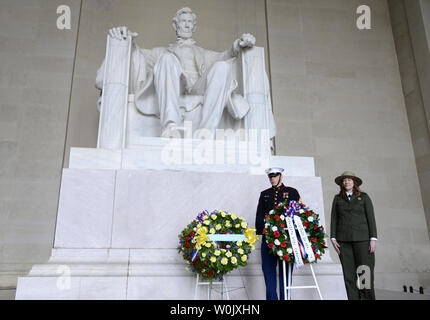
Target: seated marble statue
159 77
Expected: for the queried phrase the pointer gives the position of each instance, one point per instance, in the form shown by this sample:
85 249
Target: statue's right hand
121 33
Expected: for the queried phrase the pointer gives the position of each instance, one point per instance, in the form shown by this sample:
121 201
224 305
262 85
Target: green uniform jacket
352 220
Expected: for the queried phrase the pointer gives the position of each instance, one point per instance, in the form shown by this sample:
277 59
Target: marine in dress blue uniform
269 198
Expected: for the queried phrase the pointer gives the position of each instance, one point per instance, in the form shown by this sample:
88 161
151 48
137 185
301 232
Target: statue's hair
182 11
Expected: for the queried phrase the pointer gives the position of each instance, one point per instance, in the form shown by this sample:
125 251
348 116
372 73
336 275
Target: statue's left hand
247 40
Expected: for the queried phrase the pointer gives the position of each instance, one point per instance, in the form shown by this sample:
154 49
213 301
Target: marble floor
9 294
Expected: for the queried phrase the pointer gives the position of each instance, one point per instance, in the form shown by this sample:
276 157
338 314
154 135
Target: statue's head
184 23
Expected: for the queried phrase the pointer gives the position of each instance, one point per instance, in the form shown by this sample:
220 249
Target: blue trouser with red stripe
270 262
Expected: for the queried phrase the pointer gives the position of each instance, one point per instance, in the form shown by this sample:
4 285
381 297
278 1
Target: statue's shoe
173 131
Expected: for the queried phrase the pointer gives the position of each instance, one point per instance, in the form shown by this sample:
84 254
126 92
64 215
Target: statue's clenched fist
247 40
121 33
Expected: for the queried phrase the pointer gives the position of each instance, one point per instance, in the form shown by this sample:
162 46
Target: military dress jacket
270 198
352 220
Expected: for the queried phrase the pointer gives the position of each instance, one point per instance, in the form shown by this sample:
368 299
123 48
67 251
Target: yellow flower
223 250
213 216
228 254
223 214
206 222
239 243
237 225
213 259
218 227
224 261
228 224
241 218
243 224
241 251
217 252
208 244
233 260
250 235
244 258
204 254
212 231
233 216
205 217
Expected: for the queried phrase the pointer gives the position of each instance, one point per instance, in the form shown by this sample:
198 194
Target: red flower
264 231
324 243
187 238
286 257
276 234
283 244
282 226
276 217
322 227
276 207
194 245
317 255
187 245
192 234
305 224
209 273
271 245
314 239
267 216
316 227
308 213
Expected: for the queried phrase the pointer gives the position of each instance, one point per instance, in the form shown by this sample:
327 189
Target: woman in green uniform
353 235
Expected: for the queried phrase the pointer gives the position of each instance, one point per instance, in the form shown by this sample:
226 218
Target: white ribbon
304 237
294 241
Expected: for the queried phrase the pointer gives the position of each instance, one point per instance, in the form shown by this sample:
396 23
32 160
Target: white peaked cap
274 170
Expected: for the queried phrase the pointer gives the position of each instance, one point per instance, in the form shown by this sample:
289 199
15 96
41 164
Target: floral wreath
293 233
213 259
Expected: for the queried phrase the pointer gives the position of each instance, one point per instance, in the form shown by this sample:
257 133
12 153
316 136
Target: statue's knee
168 58
222 67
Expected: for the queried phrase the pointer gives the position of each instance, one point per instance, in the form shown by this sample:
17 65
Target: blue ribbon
194 255
293 207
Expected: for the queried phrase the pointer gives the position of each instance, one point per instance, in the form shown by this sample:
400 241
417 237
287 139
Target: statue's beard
184 34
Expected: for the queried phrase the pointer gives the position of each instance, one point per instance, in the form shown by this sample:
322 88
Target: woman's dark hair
355 189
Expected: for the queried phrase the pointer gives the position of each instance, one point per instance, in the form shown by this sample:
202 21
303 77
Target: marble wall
411 37
35 80
337 97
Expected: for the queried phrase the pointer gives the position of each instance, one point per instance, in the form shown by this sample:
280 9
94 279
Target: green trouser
358 263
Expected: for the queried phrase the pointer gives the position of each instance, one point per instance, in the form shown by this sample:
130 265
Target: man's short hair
182 11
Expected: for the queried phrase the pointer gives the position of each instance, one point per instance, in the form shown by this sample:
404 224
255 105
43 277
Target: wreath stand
224 289
287 293
222 283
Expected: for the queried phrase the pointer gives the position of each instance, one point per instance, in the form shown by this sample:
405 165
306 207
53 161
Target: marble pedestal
117 227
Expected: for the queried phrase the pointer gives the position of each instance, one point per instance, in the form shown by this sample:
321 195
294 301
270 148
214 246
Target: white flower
301 210
280 253
277 242
282 217
271 212
289 250
274 228
266 225
310 219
